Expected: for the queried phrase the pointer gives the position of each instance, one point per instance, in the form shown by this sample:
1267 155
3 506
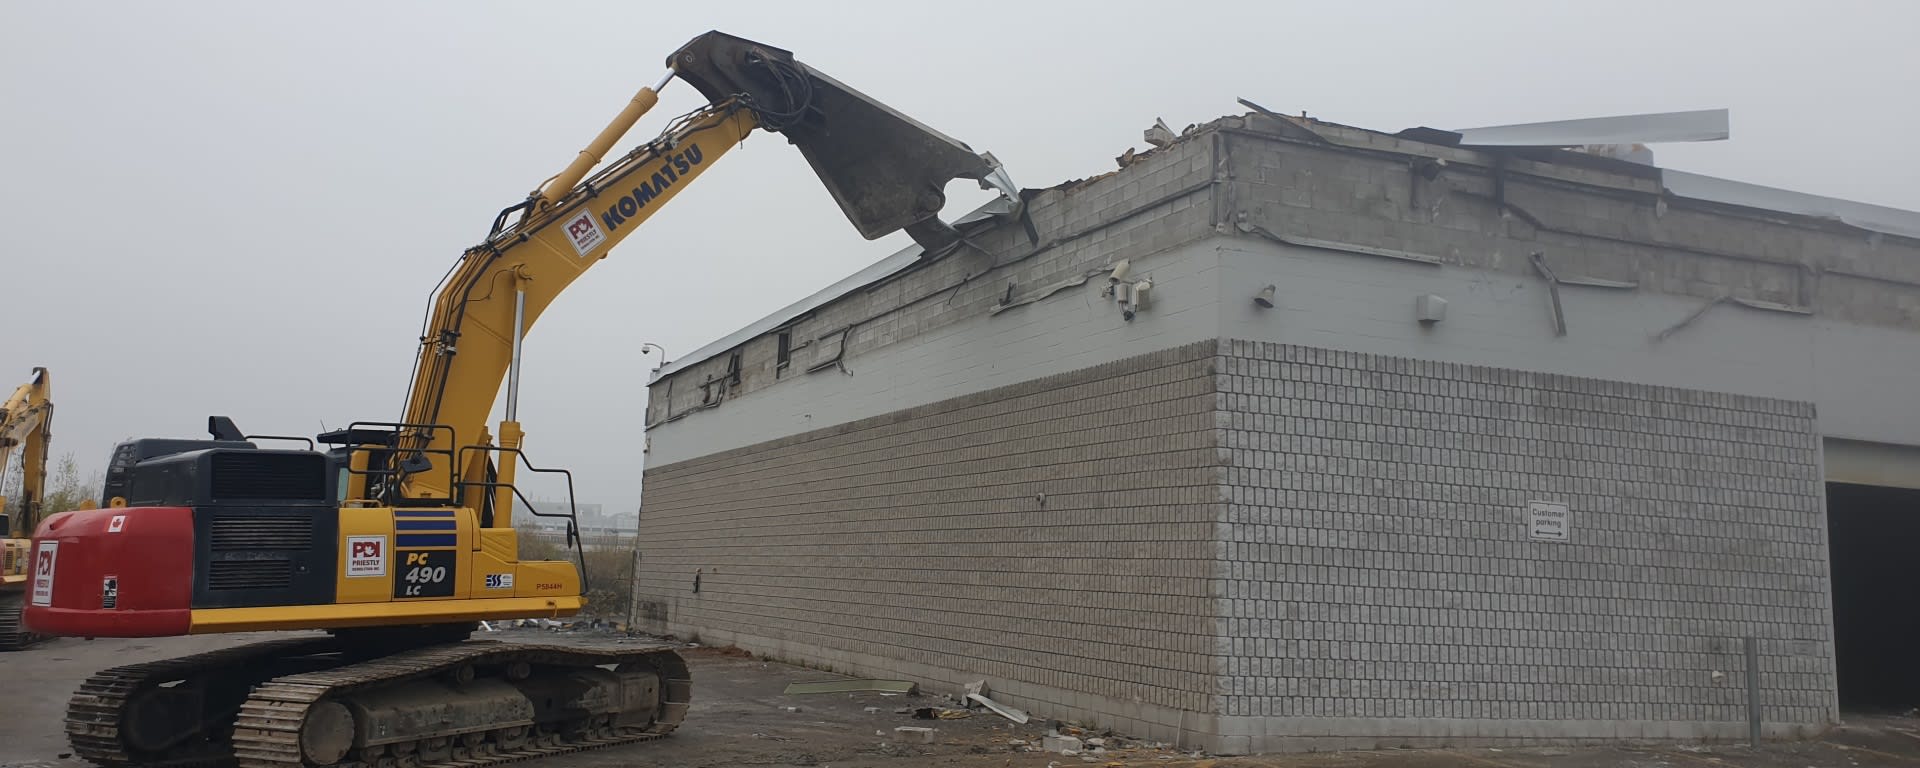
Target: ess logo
366 556
585 233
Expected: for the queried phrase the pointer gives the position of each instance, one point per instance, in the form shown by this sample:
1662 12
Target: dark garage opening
1874 541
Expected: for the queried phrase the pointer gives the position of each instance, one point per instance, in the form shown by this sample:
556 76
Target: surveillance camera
1120 271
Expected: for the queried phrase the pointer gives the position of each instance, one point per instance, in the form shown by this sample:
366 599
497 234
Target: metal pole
513 368
1752 647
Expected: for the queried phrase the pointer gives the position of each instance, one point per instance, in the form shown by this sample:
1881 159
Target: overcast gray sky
239 207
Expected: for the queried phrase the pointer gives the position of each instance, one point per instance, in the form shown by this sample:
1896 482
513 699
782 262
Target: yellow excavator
26 426
397 537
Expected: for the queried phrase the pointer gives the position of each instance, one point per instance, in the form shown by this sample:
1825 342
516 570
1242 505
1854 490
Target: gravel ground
740 717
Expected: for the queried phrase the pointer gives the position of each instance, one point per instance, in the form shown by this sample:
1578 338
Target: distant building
552 514
1406 443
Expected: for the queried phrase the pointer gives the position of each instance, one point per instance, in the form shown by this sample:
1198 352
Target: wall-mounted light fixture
1265 297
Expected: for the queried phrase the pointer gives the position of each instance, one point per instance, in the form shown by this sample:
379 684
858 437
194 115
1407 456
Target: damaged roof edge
1864 216
873 273
1873 218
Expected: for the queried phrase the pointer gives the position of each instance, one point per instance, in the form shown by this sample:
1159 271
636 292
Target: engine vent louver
247 475
247 533
249 574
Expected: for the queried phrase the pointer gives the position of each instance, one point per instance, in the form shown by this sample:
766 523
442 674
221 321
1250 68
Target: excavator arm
401 560
26 422
886 172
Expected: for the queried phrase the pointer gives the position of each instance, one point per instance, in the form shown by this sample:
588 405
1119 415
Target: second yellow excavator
398 537
26 426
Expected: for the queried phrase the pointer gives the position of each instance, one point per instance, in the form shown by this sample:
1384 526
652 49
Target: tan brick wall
1383 582
1056 537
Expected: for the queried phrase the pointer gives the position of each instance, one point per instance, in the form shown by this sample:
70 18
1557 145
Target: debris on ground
913 734
940 713
1000 709
1069 745
850 686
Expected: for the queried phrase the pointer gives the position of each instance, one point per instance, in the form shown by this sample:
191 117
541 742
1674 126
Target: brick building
1520 446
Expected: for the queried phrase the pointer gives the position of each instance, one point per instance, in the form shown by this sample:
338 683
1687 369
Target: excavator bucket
886 170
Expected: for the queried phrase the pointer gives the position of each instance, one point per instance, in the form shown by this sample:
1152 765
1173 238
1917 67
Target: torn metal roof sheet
1698 125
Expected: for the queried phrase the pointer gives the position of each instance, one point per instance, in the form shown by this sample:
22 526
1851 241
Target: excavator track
13 634
97 714
274 722
267 723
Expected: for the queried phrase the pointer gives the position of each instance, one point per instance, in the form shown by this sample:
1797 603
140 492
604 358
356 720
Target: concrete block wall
1054 537
1383 588
1374 190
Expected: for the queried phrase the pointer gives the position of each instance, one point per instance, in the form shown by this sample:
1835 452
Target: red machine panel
125 572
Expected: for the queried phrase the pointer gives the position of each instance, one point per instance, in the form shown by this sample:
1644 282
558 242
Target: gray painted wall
1072 330
1860 378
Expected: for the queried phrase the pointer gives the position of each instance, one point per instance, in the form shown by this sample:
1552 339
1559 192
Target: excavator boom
886 171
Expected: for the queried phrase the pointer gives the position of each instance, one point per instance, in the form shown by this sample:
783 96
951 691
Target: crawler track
95 714
267 733
274 685
13 634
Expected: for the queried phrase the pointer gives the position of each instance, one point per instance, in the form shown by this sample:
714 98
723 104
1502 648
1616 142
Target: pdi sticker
110 592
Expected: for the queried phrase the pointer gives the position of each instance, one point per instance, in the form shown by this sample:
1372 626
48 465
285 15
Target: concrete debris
873 710
1096 742
1069 745
978 687
913 734
1159 135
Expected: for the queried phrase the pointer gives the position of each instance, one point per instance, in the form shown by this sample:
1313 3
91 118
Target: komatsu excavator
26 424
397 537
